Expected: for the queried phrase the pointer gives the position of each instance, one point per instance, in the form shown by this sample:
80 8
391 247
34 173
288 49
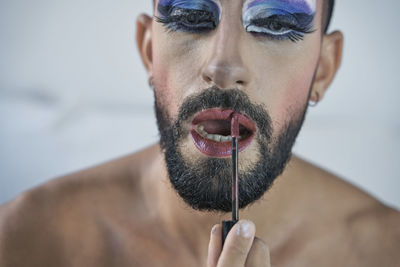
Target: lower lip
217 149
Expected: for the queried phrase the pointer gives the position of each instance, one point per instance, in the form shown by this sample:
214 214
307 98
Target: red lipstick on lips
215 123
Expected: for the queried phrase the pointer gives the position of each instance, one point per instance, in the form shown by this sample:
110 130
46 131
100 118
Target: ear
329 62
144 41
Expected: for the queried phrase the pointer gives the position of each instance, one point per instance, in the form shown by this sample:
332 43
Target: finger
215 246
258 255
237 244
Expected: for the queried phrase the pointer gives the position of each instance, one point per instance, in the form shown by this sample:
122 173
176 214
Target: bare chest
147 245
139 246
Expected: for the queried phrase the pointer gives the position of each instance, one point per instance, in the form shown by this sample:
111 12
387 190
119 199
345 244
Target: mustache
234 99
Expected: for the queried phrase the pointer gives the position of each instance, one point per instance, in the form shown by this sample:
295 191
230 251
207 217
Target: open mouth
211 132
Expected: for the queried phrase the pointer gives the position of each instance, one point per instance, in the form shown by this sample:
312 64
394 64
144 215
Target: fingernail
214 229
244 229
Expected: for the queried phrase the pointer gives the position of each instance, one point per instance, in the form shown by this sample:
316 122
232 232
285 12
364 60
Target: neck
192 227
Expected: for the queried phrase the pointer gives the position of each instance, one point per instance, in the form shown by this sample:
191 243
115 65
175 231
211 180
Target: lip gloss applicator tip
235 126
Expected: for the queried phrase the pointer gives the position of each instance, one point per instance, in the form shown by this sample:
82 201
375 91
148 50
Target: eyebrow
291 6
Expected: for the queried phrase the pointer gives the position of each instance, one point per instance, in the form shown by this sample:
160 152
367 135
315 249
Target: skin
125 212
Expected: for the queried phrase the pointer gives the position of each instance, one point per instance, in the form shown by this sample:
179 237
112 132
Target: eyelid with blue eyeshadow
278 19
193 16
207 5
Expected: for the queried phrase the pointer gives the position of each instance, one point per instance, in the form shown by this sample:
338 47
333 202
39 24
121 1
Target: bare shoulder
331 189
27 229
375 233
42 226
354 223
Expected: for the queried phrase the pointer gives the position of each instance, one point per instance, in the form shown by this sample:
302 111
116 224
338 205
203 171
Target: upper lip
223 114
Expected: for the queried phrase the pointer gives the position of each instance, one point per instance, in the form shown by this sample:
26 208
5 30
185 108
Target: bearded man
262 61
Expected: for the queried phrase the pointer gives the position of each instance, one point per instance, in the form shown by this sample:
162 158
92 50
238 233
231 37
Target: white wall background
73 93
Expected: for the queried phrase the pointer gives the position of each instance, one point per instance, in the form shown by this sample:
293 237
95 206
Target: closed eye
284 26
189 20
194 16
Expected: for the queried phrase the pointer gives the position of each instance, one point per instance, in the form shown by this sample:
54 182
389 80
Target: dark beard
206 183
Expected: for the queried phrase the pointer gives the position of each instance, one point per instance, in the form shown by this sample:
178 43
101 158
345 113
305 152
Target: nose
224 66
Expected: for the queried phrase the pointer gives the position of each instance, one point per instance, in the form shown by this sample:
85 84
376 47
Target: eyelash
294 32
204 20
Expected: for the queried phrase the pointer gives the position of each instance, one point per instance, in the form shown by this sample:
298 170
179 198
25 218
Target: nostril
207 78
240 82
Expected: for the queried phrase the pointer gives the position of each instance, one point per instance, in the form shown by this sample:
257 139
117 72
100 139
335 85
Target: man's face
215 57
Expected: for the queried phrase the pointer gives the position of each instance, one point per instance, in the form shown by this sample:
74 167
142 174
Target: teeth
215 137
201 131
218 138
210 136
226 138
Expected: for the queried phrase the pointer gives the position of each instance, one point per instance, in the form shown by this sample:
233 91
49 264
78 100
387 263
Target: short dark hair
327 15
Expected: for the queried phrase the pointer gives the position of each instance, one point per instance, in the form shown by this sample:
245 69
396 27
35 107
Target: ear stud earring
314 103
151 83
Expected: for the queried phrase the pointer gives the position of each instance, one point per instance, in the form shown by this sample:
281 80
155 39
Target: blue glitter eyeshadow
289 6
279 19
194 16
205 5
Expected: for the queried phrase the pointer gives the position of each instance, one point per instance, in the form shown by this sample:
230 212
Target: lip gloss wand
227 225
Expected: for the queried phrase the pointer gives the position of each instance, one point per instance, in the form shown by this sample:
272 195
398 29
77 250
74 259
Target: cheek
292 100
164 93
288 84
175 76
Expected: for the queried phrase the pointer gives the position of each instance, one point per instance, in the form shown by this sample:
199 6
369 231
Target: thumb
237 244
